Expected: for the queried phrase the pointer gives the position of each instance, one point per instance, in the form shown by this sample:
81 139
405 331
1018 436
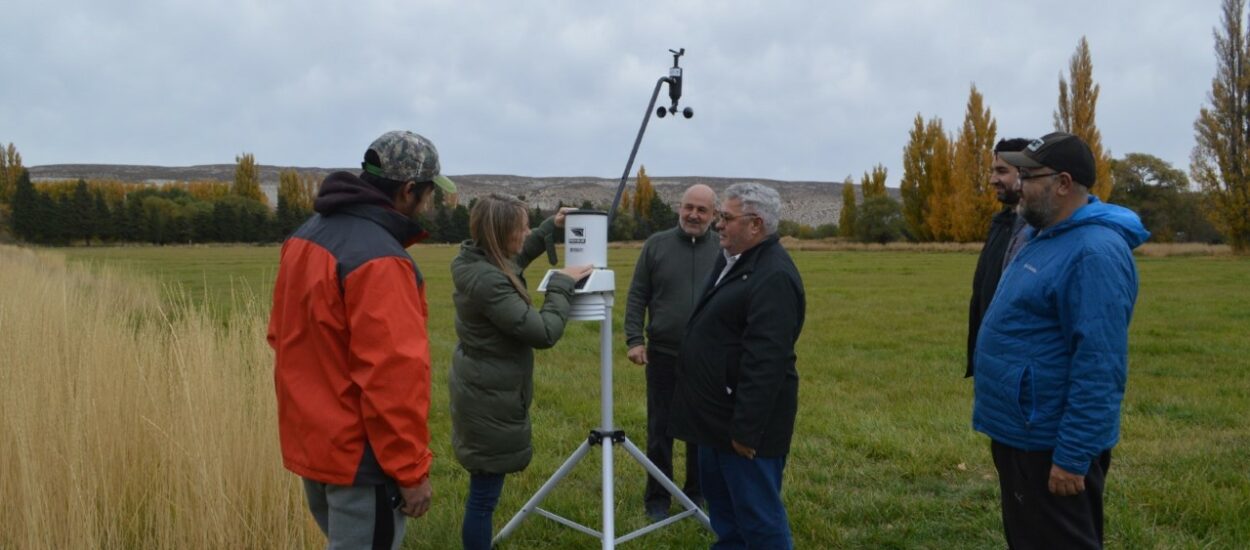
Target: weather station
586 242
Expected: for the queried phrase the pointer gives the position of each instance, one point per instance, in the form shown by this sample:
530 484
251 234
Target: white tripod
594 303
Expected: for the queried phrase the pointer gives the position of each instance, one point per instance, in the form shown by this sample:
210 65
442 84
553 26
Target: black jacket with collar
989 271
736 375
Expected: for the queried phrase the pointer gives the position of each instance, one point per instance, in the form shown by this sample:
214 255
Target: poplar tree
923 164
941 198
846 218
873 184
643 195
1076 115
1220 161
247 178
973 202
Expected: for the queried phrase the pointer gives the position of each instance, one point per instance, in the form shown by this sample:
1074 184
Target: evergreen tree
661 215
624 226
25 219
879 220
459 230
1220 162
846 218
1076 115
58 224
133 220
974 201
443 231
104 229
81 219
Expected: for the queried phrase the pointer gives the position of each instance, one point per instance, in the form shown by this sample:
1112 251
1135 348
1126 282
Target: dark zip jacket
736 375
989 271
668 278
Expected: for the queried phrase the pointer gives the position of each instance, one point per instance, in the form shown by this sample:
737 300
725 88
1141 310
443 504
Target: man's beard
694 229
1008 198
1038 213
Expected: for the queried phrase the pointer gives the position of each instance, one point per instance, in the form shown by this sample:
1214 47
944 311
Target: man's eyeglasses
1028 176
726 217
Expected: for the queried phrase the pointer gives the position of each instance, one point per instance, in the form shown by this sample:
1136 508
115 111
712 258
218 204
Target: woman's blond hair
492 223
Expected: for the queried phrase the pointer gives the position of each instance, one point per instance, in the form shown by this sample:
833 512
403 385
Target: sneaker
657 512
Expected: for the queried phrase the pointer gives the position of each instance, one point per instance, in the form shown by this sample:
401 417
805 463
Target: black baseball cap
1059 151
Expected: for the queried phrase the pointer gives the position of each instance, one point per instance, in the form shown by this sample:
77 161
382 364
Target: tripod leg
668 484
609 500
538 497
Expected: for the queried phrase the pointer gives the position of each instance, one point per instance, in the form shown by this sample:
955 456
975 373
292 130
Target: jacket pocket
1026 395
732 362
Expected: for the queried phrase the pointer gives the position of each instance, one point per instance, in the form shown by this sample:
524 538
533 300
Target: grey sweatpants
356 517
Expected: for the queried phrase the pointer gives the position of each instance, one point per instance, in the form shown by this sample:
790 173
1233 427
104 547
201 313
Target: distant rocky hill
808 202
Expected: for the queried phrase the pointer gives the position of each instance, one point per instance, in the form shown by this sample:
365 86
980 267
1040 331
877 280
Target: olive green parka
492 368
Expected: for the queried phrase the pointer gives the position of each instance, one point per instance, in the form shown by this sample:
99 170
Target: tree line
86 212
946 194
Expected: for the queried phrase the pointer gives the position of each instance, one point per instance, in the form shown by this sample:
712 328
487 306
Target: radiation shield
586 242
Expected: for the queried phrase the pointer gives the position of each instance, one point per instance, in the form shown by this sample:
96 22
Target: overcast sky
781 89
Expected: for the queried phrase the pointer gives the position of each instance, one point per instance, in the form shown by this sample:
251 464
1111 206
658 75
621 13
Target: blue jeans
479 508
744 500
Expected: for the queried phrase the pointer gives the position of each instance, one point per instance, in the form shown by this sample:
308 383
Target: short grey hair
758 199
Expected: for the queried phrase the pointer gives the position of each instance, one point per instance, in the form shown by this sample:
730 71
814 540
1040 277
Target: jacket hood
342 189
344 193
1123 221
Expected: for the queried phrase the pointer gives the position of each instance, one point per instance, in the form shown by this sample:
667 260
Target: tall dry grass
126 422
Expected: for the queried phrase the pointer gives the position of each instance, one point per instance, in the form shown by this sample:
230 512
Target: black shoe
657 512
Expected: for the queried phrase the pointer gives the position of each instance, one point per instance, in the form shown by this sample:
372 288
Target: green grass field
884 455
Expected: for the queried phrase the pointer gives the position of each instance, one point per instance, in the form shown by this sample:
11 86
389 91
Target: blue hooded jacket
1052 355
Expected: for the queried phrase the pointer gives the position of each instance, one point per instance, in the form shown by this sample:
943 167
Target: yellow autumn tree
941 200
10 171
973 201
923 165
296 191
873 184
247 178
643 194
1076 115
1220 161
846 217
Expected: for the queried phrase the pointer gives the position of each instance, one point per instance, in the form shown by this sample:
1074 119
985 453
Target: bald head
698 207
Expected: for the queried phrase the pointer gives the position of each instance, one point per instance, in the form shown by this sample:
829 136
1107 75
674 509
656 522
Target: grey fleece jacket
668 280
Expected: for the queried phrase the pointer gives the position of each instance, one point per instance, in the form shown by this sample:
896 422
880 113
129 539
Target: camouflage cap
403 156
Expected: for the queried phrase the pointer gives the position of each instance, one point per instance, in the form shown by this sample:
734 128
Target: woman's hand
560 215
578 272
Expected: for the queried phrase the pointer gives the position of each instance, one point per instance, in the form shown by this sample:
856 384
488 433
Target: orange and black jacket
348 328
